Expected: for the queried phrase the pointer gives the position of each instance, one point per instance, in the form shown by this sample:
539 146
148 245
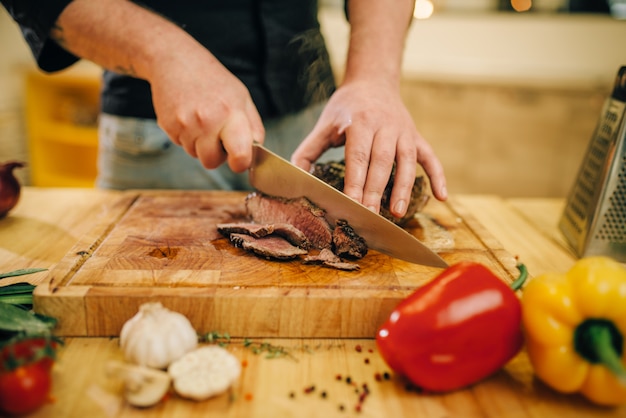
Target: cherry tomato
28 350
25 389
25 374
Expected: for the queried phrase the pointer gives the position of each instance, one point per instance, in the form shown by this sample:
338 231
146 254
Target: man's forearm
119 35
378 31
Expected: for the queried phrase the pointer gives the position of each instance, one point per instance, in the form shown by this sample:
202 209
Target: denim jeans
136 154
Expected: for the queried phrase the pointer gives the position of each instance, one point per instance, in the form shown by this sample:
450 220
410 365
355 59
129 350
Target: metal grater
594 218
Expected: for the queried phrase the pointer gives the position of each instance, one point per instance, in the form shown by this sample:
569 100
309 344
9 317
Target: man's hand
367 114
198 102
374 124
206 110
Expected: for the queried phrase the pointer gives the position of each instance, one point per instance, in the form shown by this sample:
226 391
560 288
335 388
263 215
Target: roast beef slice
329 259
287 231
346 242
271 246
300 212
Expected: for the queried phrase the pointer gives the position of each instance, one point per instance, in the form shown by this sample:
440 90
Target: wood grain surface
164 246
47 222
271 387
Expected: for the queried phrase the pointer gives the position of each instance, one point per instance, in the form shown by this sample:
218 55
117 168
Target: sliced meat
248 228
300 213
269 247
417 202
287 231
329 259
323 256
333 173
292 234
346 242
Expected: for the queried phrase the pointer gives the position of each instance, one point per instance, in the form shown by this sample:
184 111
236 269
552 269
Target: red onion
9 187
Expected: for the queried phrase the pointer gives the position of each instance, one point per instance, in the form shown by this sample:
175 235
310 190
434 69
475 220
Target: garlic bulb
156 336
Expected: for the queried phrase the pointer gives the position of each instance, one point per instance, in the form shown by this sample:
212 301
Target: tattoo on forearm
56 33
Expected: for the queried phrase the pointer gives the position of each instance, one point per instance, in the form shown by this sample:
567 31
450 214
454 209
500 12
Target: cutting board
164 246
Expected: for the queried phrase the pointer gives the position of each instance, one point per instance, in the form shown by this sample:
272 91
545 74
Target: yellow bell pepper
575 329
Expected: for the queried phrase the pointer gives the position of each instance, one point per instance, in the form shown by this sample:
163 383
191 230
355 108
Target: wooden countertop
47 222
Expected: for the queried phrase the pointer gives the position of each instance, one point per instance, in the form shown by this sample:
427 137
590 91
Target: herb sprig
21 293
16 316
270 350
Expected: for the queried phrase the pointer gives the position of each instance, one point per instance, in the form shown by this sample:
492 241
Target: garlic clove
143 386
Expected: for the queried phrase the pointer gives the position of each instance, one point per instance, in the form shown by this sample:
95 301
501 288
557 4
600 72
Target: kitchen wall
508 101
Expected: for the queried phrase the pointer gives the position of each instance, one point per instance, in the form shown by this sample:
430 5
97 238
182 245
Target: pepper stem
601 340
523 275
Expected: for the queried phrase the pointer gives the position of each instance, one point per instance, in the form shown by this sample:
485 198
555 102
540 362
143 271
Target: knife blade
275 176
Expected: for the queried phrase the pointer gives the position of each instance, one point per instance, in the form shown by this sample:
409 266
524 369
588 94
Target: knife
275 176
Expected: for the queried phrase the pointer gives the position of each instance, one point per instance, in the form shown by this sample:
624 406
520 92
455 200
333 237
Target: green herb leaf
17 299
18 294
21 272
15 319
21 288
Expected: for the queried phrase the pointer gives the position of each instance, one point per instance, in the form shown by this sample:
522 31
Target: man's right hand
198 102
205 109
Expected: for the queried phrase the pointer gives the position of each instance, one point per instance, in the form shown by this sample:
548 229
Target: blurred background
508 92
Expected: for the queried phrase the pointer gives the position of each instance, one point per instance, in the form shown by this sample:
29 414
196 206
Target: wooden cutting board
164 246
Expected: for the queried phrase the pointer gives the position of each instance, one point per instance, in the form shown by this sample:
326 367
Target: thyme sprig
270 350
215 337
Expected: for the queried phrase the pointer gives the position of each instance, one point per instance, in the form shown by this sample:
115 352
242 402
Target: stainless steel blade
275 176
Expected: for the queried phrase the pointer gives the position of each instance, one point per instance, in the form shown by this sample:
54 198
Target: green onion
16 300
21 272
17 294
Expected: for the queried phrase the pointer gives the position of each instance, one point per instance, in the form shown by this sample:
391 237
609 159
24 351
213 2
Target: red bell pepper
459 328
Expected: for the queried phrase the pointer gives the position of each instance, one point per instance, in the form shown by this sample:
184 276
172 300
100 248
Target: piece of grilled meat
334 173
